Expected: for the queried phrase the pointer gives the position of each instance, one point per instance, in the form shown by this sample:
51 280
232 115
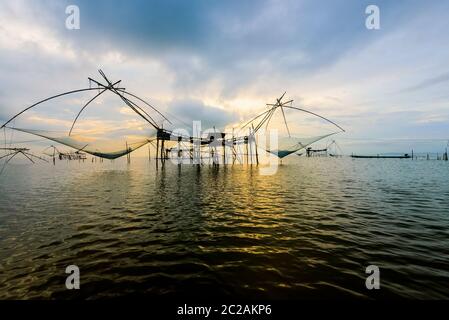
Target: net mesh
96 146
289 145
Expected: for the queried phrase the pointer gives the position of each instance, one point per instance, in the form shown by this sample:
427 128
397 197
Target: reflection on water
309 231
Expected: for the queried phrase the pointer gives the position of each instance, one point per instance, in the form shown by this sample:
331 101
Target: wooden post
246 143
250 141
191 150
127 154
157 151
162 151
223 143
255 146
179 151
234 152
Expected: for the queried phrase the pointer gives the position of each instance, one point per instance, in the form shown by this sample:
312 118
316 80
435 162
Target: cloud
184 112
428 83
220 61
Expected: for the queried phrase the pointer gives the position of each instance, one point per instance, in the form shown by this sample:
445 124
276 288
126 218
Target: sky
222 61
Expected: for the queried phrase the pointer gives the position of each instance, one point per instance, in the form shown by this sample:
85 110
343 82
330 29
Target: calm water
307 232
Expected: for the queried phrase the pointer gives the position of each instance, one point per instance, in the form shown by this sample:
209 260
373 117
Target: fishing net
295 128
108 106
94 145
288 145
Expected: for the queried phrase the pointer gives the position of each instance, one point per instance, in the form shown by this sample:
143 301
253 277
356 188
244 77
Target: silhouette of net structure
113 145
290 142
92 142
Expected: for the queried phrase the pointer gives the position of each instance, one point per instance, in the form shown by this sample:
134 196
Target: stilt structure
163 151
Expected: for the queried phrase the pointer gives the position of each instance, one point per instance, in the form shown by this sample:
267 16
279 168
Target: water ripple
309 231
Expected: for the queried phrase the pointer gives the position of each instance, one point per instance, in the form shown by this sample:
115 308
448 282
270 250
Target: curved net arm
317 115
47 99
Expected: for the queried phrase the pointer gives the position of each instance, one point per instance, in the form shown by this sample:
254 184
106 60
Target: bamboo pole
127 154
234 155
223 143
157 152
255 145
162 151
250 141
246 147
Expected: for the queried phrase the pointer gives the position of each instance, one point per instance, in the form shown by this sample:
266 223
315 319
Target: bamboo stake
255 145
157 152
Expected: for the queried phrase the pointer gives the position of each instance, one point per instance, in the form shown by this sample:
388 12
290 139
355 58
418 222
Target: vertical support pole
246 147
223 143
234 151
157 151
250 141
234 155
162 151
127 154
191 150
179 151
255 146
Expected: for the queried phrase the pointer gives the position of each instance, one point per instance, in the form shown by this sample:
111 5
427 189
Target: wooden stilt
246 147
127 154
157 151
223 143
250 142
162 151
255 146
179 151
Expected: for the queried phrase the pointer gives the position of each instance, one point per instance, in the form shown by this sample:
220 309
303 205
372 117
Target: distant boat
405 156
299 154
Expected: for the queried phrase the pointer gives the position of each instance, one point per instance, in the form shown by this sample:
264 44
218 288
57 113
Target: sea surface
307 232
